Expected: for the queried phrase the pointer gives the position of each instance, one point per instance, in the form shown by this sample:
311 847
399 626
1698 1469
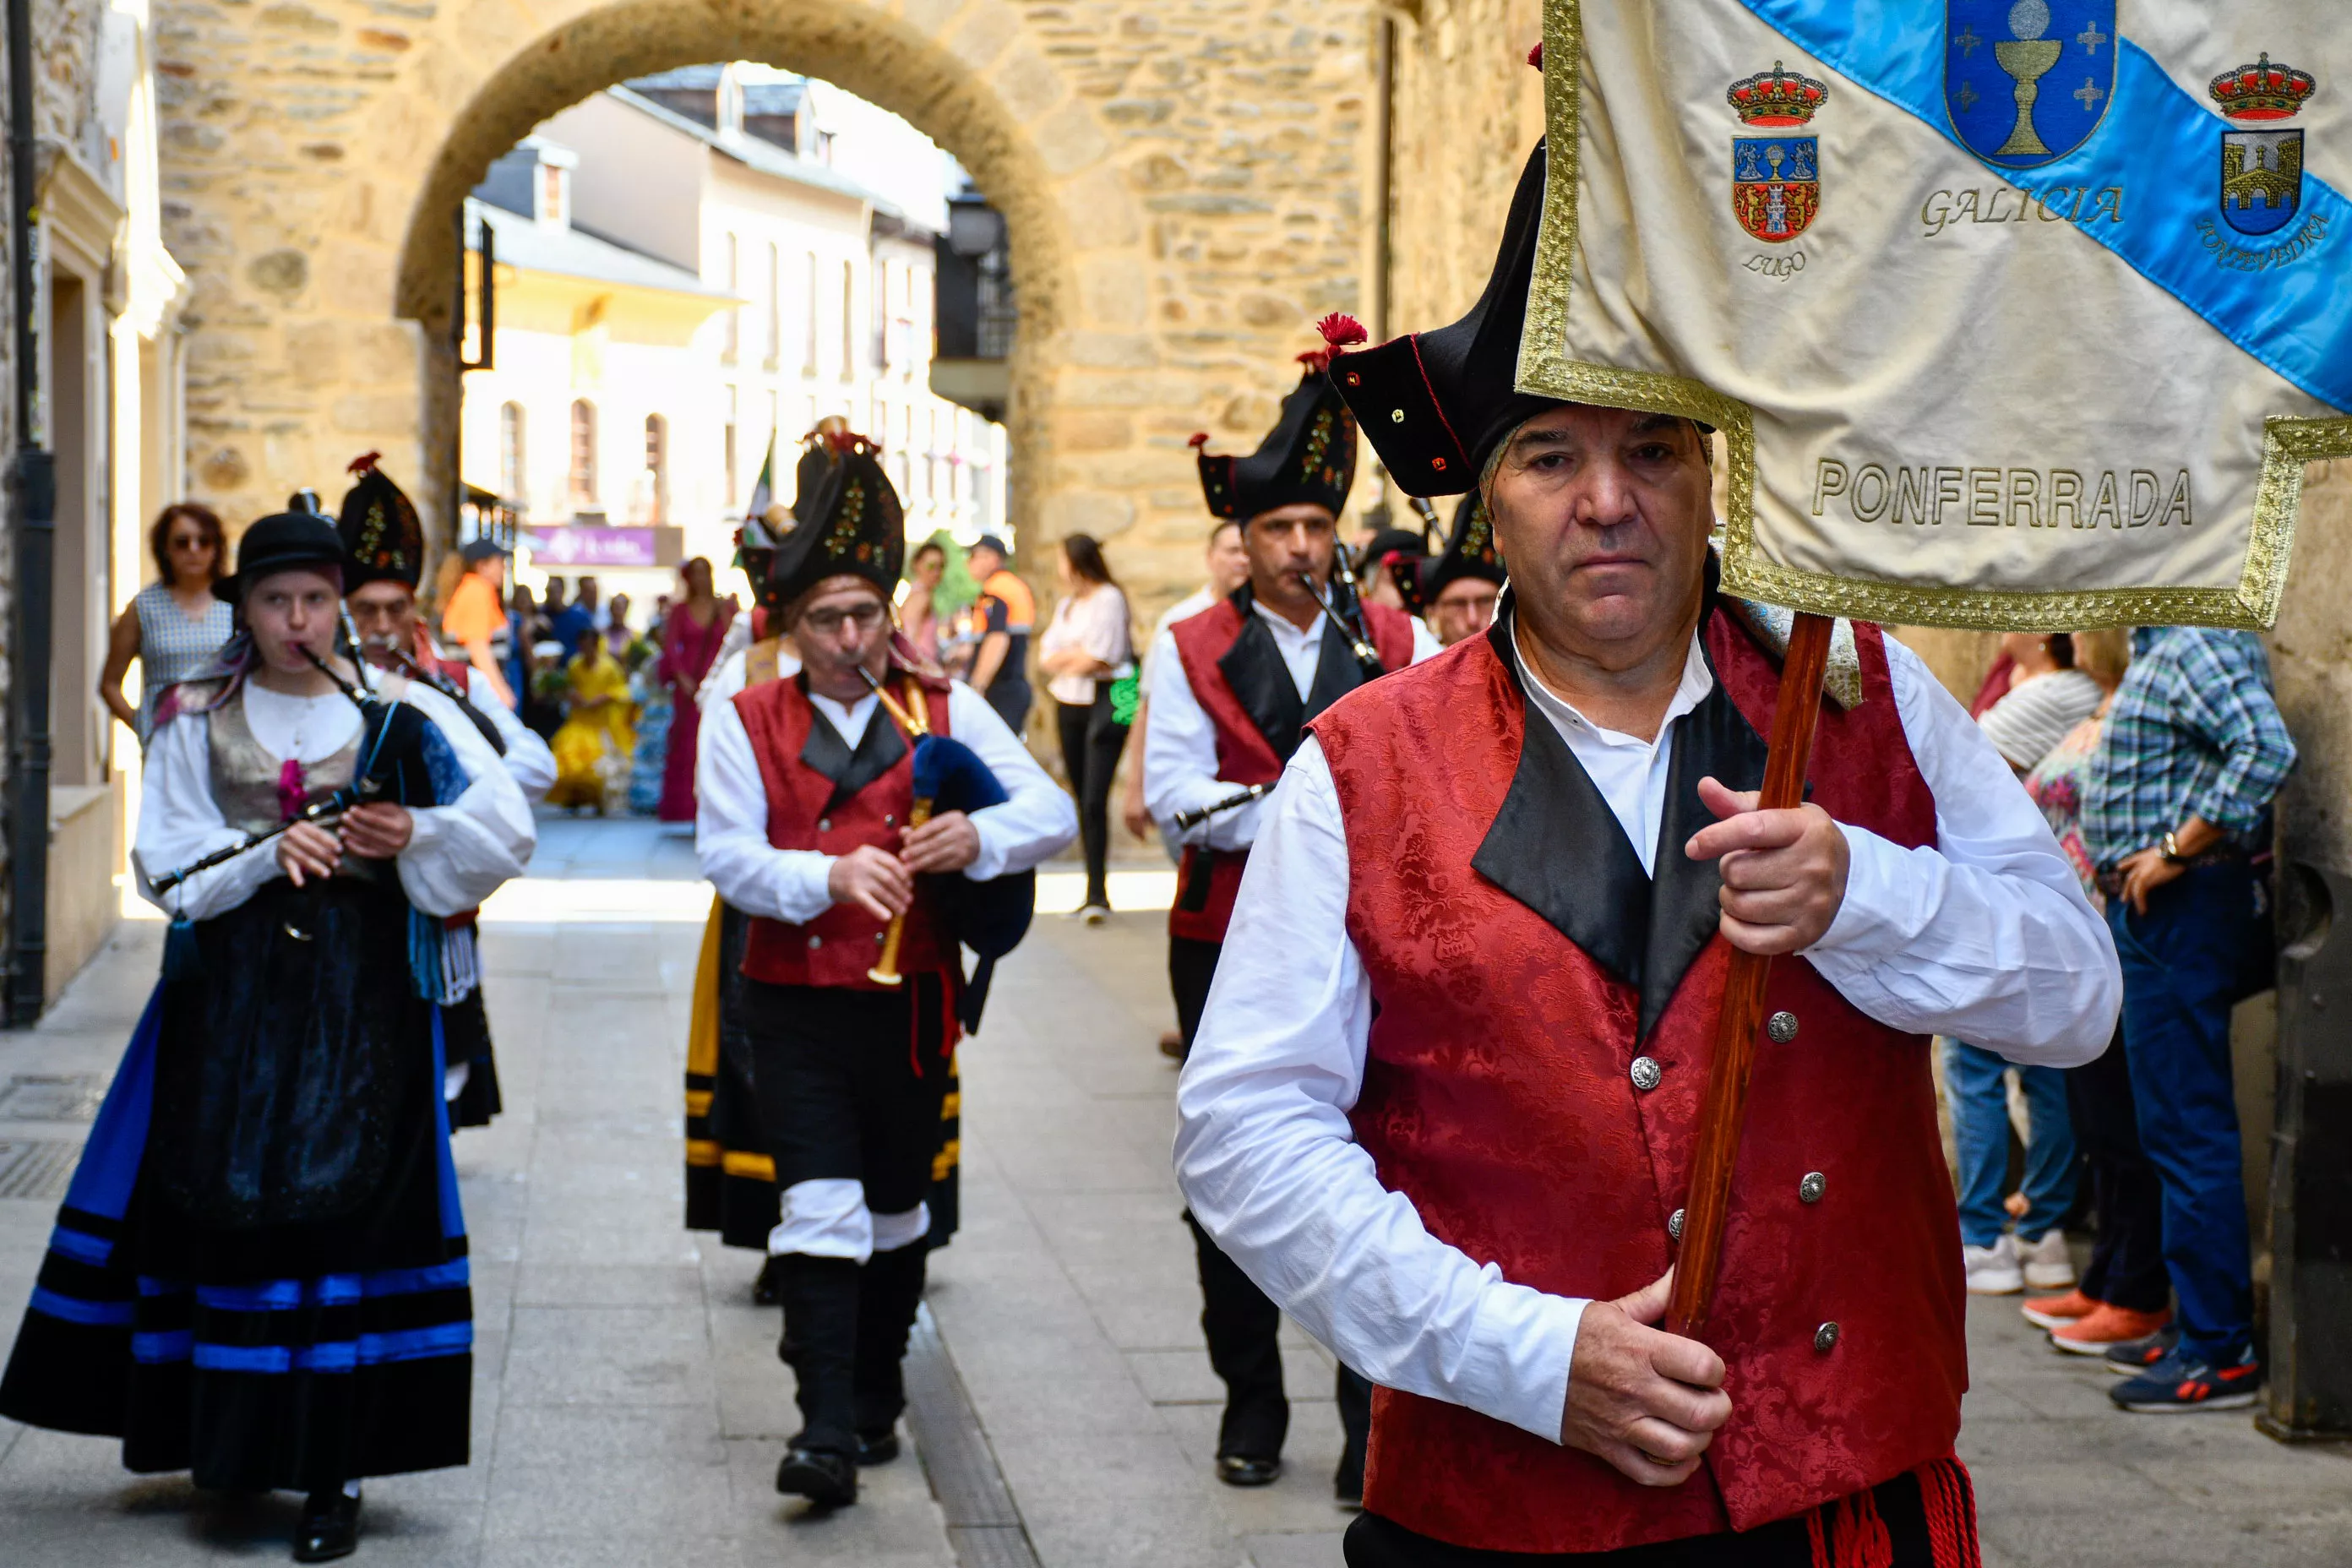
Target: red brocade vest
1498 1097
1245 756
841 944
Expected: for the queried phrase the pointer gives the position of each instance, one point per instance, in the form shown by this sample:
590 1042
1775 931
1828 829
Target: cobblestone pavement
629 1408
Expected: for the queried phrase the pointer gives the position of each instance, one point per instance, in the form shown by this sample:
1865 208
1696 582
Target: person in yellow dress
594 747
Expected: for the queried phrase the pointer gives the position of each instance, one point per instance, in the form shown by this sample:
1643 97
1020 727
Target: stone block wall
1186 185
1466 113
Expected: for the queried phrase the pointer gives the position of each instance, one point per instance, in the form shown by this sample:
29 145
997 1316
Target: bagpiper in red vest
824 795
1544 1017
1237 676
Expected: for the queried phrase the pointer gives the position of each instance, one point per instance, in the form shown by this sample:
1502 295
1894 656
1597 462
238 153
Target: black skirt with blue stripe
259 1274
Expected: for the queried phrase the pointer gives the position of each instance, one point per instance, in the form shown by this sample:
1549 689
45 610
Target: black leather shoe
769 1287
826 1478
1241 1471
878 1448
330 1527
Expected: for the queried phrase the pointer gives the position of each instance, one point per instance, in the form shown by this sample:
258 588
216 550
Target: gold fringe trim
950 1153
702 1153
759 1167
2287 445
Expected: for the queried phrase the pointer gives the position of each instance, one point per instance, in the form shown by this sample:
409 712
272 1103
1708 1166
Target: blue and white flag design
2014 313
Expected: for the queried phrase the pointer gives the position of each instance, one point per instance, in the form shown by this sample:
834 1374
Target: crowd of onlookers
2156 758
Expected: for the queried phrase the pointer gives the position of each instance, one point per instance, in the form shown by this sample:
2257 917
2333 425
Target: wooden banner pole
1725 1110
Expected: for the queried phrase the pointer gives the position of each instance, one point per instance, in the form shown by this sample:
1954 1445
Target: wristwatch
2170 848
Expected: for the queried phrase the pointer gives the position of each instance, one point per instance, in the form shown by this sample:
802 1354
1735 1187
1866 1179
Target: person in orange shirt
475 617
1004 615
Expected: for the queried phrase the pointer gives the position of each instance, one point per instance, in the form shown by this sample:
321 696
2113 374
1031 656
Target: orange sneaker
2057 1312
2107 1326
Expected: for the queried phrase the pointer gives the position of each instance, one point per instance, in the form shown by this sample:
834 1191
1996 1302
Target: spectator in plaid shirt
2178 801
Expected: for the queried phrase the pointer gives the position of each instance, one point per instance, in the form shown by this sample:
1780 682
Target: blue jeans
2181 962
1972 1084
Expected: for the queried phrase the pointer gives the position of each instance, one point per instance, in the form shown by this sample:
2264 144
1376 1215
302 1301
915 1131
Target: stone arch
1185 184
879 57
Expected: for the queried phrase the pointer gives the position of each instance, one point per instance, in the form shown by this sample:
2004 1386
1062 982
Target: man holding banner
1498 1133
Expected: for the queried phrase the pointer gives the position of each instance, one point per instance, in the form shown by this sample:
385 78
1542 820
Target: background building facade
686 271
97 409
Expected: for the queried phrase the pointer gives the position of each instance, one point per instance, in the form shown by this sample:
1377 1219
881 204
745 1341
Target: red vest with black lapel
1237 676
825 797
1520 963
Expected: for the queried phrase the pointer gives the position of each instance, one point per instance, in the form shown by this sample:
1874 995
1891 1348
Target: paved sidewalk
629 1407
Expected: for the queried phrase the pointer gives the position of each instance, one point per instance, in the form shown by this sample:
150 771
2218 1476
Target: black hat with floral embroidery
1469 552
1308 457
848 520
383 540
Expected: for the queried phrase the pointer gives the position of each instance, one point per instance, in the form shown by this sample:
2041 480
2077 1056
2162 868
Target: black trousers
1190 966
1372 1541
1091 744
2128 1197
1240 1321
850 1085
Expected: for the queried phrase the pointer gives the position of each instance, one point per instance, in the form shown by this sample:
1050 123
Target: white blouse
1093 623
457 854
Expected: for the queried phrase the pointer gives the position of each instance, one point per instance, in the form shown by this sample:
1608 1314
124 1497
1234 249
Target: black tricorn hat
281 541
1309 456
1434 404
382 540
1469 551
848 520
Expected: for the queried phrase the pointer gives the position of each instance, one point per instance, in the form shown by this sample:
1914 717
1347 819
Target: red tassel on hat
1199 440
1535 56
1342 331
1316 359
365 463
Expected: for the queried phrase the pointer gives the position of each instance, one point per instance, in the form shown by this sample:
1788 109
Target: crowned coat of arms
2262 166
1776 179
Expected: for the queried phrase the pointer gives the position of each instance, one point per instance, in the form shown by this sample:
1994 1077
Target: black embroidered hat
1308 457
382 539
1434 404
1469 551
847 520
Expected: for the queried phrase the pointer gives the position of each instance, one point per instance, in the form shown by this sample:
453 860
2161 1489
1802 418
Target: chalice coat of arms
2027 82
1775 175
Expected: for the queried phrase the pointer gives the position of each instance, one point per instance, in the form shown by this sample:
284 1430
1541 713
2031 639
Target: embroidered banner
2019 315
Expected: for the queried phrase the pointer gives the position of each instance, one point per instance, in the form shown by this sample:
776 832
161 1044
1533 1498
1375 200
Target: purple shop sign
596 546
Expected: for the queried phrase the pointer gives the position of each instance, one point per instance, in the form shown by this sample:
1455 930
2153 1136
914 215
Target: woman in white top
2047 696
1085 650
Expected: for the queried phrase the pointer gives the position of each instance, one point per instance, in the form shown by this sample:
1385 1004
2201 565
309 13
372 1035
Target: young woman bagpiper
259 1273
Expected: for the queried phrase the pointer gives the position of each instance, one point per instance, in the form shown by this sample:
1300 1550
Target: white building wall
845 329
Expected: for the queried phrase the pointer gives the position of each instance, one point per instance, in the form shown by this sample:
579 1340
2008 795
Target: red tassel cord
1948 1499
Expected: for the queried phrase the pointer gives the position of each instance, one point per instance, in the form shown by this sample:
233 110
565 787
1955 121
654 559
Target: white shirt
457 854
729 675
1180 743
528 760
730 829
1986 935
1183 609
